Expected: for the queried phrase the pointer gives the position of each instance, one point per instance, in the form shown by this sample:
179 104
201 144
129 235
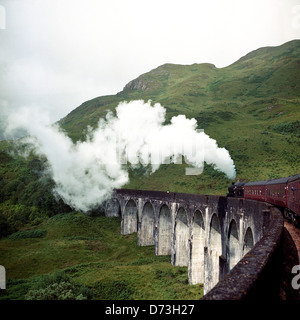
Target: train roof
257 183
274 181
293 178
239 184
277 181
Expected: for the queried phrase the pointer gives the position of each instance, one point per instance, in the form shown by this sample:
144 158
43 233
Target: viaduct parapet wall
214 236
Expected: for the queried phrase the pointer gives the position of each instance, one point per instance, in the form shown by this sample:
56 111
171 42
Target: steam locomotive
283 193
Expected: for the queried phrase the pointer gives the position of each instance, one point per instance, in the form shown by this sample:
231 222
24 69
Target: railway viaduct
228 244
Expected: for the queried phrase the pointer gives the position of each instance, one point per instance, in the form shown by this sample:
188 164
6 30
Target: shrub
5 227
58 286
114 290
28 234
16 289
56 291
288 128
13 217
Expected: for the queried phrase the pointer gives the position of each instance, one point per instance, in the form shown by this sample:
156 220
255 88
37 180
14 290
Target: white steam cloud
85 173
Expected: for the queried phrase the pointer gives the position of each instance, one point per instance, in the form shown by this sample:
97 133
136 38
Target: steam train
283 193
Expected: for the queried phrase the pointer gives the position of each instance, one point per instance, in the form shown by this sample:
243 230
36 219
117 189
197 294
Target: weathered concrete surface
196 261
129 217
208 234
112 208
257 275
181 239
146 229
164 231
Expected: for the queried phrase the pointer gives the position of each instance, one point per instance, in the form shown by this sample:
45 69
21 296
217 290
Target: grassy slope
92 251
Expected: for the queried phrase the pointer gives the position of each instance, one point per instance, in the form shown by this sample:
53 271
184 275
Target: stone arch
130 219
197 249
112 208
181 238
215 249
233 245
248 241
164 231
146 237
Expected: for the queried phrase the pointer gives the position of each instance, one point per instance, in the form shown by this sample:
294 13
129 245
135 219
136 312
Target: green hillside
74 256
250 107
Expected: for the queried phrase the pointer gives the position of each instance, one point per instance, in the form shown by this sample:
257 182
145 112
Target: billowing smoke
85 173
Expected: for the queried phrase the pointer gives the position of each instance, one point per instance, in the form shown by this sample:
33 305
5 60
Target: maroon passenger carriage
283 192
255 190
276 192
293 198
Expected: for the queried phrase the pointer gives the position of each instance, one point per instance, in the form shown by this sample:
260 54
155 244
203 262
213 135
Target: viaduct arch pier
226 243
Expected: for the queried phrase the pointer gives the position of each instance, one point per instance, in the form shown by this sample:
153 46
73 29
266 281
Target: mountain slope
250 107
